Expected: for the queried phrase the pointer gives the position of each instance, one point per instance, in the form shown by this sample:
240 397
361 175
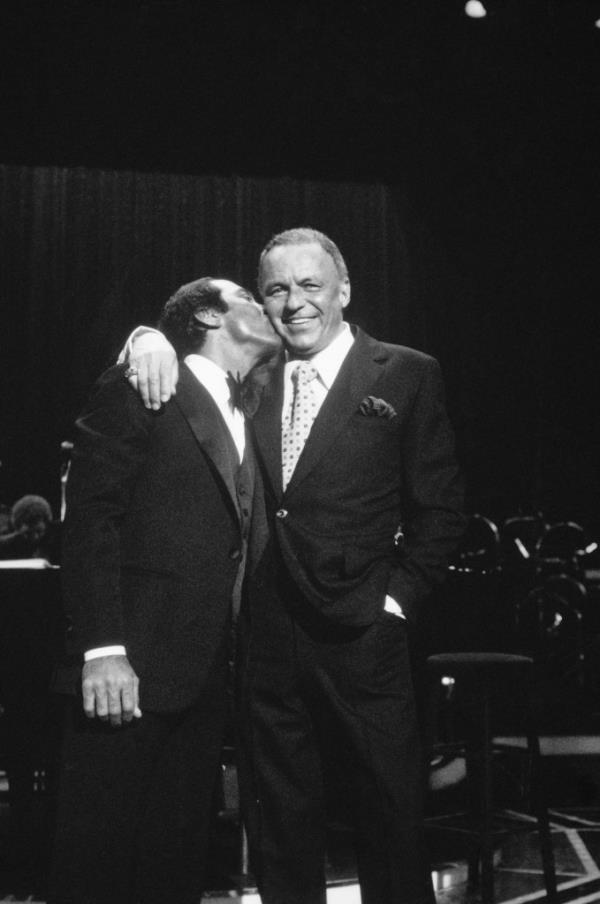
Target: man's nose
295 298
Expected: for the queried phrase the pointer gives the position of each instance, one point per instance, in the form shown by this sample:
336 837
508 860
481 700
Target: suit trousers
329 708
134 804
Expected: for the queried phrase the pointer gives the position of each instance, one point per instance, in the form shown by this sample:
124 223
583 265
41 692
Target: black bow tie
236 399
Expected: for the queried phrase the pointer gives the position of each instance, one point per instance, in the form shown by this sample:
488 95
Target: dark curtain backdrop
496 283
88 254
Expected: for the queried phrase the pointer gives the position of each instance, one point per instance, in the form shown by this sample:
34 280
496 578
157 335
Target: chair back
560 548
549 624
479 549
520 536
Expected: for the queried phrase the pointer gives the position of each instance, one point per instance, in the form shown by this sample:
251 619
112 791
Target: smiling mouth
297 321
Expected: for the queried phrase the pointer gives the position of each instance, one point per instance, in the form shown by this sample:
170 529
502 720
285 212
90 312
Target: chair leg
244 856
473 766
479 777
541 813
487 847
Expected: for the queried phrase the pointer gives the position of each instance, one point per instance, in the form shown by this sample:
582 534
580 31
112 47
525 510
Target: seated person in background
34 535
31 626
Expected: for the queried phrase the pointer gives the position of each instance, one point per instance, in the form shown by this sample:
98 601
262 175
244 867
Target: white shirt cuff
392 606
146 339
97 652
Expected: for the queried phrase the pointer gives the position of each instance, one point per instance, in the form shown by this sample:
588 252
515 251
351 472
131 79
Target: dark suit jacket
152 538
360 479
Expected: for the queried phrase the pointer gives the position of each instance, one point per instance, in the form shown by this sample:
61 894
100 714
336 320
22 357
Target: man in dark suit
159 525
364 499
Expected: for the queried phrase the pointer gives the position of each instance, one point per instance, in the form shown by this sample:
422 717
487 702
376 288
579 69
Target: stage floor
573 790
518 877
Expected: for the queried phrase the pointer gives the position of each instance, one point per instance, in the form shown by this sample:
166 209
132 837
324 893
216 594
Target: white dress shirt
214 380
327 363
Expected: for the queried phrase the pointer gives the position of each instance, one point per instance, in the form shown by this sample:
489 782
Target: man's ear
345 292
208 318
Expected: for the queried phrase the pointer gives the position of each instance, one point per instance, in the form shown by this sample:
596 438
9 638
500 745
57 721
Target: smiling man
305 289
158 529
364 504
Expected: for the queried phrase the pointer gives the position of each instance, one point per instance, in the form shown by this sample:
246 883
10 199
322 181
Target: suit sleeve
109 451
433 518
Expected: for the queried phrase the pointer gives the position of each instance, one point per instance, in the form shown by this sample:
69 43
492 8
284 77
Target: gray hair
305 235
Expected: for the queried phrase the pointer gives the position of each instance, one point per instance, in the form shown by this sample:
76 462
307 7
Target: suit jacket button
281 513
235 554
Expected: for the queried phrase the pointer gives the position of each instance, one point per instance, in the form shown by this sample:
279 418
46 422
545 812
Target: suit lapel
266 428
359 373
206 423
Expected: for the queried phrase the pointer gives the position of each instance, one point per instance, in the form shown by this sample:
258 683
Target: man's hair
178 322
305 235
30 508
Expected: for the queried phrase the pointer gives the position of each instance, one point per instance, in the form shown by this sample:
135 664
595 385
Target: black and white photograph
300 452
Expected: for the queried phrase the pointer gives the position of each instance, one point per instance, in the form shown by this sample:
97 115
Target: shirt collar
329 360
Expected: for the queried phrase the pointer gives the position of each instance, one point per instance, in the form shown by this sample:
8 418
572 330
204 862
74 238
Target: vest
243 478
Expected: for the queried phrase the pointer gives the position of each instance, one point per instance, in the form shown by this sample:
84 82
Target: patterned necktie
298 419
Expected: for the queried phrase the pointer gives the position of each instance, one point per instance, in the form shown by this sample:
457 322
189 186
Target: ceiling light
474 9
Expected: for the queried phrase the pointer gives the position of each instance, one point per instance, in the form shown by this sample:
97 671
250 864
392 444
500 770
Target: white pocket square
392 606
